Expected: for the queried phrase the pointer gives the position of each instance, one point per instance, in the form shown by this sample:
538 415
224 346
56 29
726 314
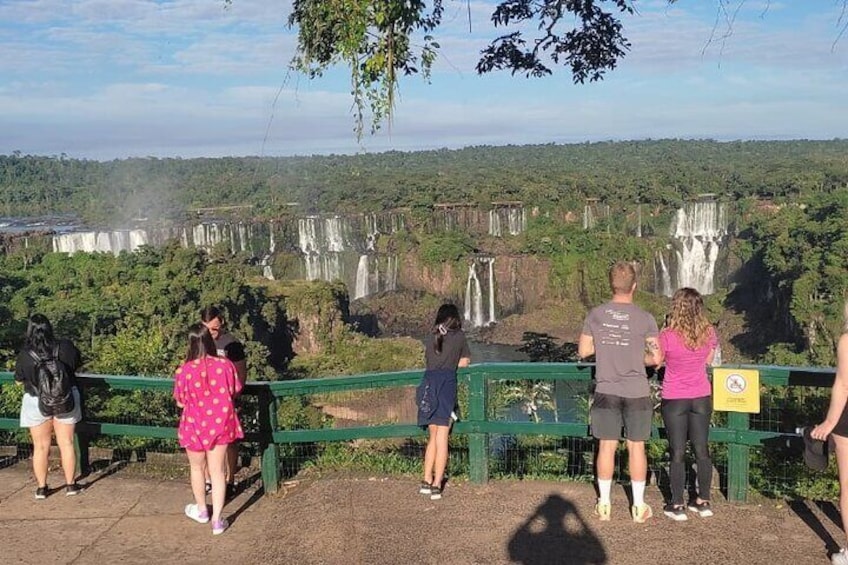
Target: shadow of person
811 519
556 533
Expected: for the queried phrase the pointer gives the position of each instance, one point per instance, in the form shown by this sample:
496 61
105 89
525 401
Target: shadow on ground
556 529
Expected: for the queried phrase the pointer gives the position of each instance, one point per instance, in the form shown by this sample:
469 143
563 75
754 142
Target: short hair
622 277
209 313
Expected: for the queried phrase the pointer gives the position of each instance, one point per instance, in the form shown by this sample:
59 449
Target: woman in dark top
446 350
41 342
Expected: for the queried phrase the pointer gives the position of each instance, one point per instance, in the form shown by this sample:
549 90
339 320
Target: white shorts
31 416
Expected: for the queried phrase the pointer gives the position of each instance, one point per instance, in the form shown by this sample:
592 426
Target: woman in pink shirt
688 343
204 387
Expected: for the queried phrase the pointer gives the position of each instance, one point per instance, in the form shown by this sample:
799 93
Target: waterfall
588 218
99 241
494 223
699 229
334 233
266 268
391 273
243 237
475 312
492 290
272 243
372 232
321 244
663 277
473 298
362 274
516 220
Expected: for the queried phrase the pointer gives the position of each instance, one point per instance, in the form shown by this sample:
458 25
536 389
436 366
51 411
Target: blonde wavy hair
688 318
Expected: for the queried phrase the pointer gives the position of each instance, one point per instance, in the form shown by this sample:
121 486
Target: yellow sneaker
603 511
641 514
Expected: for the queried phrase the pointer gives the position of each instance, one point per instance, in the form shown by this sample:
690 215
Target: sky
111 79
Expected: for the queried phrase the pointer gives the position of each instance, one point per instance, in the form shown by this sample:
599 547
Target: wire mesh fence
377 418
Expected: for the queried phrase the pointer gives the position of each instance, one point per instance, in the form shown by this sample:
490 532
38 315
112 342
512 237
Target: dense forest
790 249
659 172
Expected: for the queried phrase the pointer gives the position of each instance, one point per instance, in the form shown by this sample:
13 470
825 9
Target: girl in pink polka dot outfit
204 387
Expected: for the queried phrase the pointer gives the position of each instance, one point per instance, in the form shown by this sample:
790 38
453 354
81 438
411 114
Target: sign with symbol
736 390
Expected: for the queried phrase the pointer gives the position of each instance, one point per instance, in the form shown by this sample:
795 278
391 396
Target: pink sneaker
219 527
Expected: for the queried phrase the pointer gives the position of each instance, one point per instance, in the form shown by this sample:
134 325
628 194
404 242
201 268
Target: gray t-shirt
619 332
454 347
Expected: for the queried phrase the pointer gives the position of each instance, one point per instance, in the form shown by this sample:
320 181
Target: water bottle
717 356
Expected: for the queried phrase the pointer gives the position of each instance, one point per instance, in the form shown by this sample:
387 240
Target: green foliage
354 354
445 247
135 348
373 38
660 174
296 413
129 314
803 248
381 456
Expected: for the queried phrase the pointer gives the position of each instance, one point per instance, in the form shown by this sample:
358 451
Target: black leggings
688 419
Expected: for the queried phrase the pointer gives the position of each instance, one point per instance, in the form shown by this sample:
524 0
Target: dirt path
374 520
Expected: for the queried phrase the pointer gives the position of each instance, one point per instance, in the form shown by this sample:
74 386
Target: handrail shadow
555 530
254 498
808 515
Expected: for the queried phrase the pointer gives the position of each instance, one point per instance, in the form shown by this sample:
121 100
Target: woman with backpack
204 388
46 367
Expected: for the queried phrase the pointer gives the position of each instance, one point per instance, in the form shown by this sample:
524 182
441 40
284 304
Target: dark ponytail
447 319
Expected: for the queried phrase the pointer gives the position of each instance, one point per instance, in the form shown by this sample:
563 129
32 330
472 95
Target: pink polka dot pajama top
206 387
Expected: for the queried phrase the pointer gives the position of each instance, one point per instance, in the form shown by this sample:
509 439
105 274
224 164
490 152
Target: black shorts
610 413
841 427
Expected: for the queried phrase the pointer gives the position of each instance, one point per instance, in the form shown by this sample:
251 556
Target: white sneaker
196 514
840 557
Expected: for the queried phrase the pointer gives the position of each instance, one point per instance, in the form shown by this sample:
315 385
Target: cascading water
99 241
663 277
494 223
588 218
699 229
516 220
391 273
474 312
362 276
473 298
492 290
514 217
321 244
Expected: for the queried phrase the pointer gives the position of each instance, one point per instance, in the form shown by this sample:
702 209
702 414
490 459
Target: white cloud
103 78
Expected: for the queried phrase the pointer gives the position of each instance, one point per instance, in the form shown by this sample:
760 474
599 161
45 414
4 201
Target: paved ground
126 519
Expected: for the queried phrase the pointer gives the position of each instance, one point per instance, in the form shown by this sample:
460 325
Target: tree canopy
376 39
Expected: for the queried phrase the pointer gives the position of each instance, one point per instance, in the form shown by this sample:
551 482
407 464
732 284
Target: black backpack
53 382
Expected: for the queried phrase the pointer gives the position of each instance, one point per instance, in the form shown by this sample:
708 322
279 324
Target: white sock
604 488
638 492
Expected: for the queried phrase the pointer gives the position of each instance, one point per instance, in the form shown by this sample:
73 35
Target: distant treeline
663 172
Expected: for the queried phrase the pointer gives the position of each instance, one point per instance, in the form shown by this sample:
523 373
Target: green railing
476 423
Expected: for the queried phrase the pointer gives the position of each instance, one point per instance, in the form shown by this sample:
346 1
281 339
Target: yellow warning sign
736 390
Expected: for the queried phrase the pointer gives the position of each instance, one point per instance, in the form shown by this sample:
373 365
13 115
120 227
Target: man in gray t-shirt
623 338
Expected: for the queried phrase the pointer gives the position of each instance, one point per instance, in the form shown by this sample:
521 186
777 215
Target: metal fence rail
280 416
